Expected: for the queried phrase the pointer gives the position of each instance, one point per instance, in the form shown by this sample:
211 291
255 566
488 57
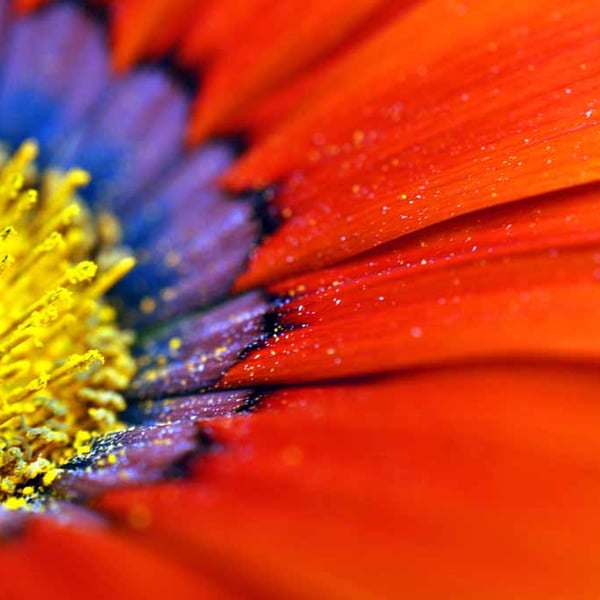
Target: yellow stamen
63 359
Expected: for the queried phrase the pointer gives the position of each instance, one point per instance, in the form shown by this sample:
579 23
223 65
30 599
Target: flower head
366 332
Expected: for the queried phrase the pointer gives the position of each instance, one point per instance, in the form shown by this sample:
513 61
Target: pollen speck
147 305
174 344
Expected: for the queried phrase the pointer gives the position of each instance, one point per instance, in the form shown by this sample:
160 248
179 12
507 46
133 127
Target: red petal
220 24
288 35
92 561
27 5
540 304
561 219
140 28
217 24
479 483
498 105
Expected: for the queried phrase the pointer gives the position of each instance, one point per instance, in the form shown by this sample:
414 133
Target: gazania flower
353 354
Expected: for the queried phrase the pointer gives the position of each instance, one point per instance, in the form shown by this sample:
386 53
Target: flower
396 395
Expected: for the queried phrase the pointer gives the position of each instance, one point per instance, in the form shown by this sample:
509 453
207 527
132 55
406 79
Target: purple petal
208 345
138 455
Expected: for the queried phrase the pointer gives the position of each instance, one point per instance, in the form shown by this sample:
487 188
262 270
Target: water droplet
416 332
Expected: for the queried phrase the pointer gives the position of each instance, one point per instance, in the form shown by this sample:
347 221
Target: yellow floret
63 358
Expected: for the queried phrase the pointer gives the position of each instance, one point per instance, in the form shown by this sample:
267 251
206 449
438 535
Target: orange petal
500 104
479 483
215 25
140 28
557 220
262 115
538 304
288 35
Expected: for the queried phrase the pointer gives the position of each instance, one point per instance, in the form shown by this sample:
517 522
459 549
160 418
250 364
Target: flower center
63 358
